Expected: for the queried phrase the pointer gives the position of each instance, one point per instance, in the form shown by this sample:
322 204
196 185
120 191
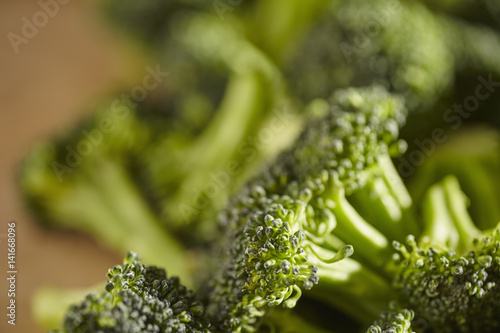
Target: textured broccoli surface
393 322
138 298
449 276
290 223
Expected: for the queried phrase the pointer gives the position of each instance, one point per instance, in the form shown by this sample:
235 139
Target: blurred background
127 125
52 82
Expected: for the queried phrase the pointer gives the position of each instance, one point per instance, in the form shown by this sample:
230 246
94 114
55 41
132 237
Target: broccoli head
450 275
138 298
286 228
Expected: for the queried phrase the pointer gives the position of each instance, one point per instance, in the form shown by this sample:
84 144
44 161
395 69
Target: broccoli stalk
472 155
288 321
287 22
216 148
358 43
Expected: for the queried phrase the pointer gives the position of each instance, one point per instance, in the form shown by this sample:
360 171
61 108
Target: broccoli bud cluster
289 223
452 292
138 298
393 322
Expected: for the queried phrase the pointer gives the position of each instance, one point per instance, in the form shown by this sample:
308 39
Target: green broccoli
484 12
330 222
85 182
138 298
472 155
292 230
449 276
358 43
393 322
127 163
155 159
254 89
148 19
290 223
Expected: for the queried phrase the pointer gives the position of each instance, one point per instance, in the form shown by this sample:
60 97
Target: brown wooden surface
52 82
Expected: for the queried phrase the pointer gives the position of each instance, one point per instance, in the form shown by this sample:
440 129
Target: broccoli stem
240 113
472 155
457 206
83 208
220 155
437 220
398 200
408 224
50 303
394 181
384 201
377 205
143 230
352 288
445 213
372 247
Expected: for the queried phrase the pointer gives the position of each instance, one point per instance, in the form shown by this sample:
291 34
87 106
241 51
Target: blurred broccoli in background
401 45
278 232
472 155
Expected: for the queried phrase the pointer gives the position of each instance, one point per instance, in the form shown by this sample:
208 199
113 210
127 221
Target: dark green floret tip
138 298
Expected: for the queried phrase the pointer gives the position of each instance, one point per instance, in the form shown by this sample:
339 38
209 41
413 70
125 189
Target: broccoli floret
138 298
291 321
320 221
472 155
393 322
449 277
347 155
290 223
84 181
